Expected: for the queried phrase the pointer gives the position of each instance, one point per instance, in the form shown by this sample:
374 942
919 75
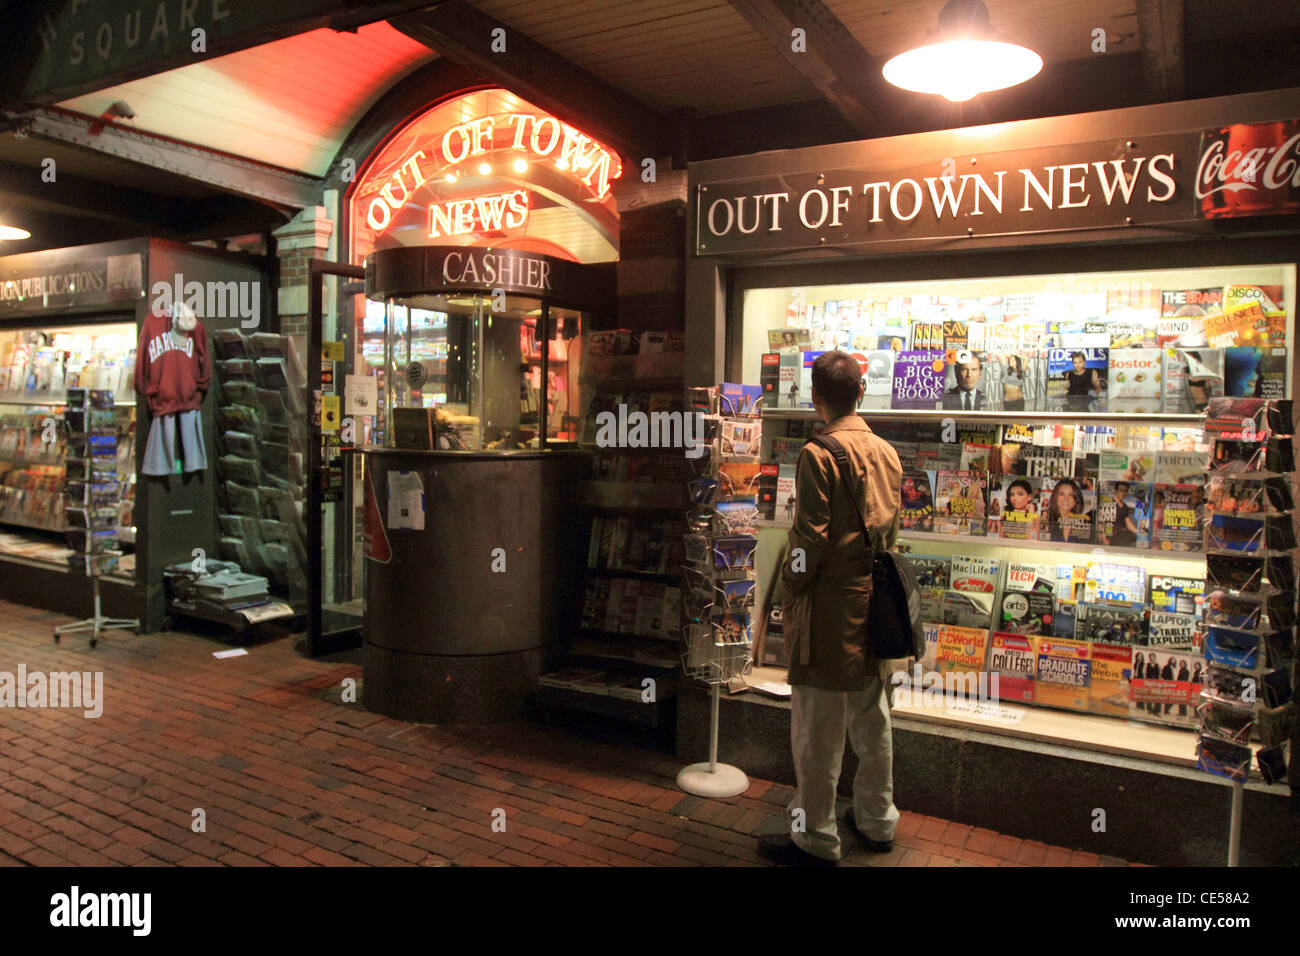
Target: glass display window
37 367
1054 494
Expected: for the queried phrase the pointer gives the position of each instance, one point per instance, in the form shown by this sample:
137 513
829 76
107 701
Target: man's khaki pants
818 721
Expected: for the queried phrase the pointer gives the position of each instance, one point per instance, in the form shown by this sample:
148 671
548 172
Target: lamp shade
964 58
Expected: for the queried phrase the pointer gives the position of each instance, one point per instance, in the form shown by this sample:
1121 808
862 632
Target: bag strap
841 457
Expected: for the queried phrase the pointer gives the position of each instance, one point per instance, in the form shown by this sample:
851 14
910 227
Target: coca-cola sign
1249 170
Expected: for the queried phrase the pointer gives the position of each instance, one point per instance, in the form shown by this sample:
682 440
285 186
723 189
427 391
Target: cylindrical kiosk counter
472 565
472 544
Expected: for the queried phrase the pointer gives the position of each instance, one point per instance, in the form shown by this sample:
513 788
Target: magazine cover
788 376
967 381
789 340
1112 668
968 609
1122 583
1077 378
1177 594
785 451
878 378
1012 658
1111 623
1166 685
917 501
1191 378
961 649
1179 467
1064 673
1169 631
1182 312
1003 376
918 379
1014 508
1024 576
929 661
1124 514
1134 383
932 571
1250 372
1270 298
976 457
959 505
1026 612
805 378
1038 461
1244 324
1177 517
1067 508
927 336
785 487
978 575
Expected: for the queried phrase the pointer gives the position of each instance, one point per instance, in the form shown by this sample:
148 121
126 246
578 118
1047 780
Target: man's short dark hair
836 377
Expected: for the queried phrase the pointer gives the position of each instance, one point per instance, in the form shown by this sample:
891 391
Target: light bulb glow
961 69
485 169
13 232
451 177
521 165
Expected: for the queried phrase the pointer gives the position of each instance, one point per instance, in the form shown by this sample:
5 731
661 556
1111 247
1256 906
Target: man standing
966 394
826 582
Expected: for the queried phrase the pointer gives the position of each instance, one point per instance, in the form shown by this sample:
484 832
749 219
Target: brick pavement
286 774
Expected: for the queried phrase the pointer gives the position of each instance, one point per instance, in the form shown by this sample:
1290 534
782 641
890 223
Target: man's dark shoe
781 848
873 846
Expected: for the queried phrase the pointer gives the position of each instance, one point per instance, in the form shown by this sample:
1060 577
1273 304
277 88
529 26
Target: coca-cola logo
1265 167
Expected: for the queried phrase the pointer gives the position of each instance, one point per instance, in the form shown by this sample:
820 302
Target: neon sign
511 138
460 217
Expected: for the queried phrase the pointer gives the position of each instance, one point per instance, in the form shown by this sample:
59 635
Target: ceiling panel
681 53
289 103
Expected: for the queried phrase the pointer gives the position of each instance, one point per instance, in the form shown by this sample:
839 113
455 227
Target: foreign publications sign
1231 172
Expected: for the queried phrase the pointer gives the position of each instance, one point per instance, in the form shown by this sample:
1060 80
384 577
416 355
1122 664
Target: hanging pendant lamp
965 57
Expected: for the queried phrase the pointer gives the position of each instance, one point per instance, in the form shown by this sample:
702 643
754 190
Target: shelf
1047 418
36 526
986 541
58 403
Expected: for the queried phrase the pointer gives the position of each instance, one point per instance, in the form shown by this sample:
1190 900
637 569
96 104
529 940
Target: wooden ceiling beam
73 195
466 36
1161 30
842 71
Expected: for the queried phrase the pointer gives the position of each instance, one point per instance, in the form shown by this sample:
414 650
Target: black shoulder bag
894 630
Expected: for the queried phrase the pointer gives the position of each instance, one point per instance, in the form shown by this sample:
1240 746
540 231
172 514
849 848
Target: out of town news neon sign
532 137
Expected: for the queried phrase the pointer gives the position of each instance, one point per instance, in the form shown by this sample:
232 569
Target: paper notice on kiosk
405 501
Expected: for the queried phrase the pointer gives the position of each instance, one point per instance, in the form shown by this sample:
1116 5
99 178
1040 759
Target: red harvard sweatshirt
174 378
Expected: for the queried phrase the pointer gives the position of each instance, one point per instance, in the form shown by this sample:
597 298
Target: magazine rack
1250 604
91 491
718 571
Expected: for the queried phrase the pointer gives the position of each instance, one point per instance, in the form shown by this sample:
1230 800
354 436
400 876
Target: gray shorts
160 452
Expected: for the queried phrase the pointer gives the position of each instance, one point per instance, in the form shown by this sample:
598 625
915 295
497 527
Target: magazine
1177 594
1167 630
1012 659
1111 623
961 649
1064 673
959 503
878 378
1014 508
1028 612
917 501
1177 517
1022 576
932 571
1124 514
1166 685
974 574
789 340
918 379
1134 383
1067 508
1112 668
968 609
